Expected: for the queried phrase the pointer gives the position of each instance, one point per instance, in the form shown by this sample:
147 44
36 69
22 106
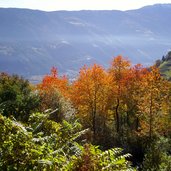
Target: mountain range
32 41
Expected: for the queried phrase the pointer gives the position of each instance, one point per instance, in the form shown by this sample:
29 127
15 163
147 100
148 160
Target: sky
54 5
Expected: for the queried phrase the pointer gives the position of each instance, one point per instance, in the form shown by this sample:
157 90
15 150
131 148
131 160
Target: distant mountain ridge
33 41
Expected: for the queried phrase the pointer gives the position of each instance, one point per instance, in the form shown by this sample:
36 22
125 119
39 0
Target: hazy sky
52 5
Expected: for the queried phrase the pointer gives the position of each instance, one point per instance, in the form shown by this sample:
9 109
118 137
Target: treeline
58 124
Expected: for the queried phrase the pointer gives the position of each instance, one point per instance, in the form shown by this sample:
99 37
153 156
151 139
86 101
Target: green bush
16 97
157 157
47 145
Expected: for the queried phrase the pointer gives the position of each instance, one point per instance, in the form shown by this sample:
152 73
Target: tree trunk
151 119
117 116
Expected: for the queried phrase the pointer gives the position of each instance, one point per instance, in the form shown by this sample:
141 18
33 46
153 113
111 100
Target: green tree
16 97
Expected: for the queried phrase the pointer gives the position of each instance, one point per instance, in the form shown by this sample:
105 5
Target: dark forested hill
32 41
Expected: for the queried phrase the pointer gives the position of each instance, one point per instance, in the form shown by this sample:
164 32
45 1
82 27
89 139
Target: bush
157 157
16 97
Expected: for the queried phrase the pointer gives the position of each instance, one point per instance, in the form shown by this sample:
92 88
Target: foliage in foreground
47 145
157 156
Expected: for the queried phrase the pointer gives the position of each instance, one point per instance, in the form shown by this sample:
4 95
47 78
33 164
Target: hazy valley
32 41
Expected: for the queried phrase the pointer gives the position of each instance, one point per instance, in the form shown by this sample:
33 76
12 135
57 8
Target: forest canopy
117 118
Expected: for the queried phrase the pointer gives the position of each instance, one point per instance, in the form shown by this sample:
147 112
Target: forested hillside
165 65
32 41
106 119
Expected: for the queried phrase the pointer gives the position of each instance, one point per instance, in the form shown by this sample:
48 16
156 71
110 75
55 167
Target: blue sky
53 5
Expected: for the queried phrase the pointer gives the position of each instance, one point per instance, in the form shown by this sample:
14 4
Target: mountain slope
32 41
165 66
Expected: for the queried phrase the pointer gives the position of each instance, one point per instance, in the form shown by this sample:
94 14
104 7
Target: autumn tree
90 96
53 90
132 95
152 107
119 71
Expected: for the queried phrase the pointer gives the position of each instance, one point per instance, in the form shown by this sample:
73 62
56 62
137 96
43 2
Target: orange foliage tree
120 73
90 95
52 88
153 104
